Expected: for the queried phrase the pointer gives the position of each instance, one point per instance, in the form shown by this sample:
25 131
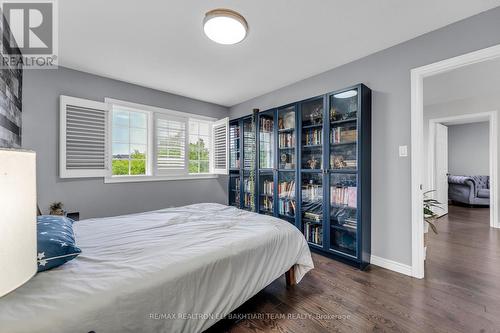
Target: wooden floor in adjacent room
461 291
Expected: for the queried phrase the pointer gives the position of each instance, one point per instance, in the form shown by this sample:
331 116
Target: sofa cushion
483 193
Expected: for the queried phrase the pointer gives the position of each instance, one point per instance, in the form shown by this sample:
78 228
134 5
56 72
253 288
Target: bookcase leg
290 276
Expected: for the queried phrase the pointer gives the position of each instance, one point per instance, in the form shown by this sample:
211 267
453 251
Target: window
126 142
129 142
199 146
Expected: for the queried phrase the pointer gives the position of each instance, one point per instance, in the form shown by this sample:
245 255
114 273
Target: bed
172 270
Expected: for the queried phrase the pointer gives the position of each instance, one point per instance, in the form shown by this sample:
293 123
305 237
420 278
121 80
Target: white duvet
173 270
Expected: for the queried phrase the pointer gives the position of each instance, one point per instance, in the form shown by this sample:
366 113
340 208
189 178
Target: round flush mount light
346 94
225 26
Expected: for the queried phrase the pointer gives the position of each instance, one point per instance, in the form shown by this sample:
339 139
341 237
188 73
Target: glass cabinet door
234 146
248 192
311 165
266 193
234 190
286 138
343 212
344 130
312 134
266 140
343 172
312 206
287 145
286 195
248 143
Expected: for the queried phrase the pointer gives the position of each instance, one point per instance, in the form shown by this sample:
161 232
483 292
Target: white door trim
417 138
492 118
431 168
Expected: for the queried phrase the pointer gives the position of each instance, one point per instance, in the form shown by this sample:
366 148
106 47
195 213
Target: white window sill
136 179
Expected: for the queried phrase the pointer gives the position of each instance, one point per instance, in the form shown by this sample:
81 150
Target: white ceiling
482 79
160 44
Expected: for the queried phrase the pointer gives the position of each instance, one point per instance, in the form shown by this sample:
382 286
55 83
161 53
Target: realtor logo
30 33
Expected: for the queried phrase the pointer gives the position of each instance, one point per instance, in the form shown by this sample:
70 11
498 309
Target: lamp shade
17 218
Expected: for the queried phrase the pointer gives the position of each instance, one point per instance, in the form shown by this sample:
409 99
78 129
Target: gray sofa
469 190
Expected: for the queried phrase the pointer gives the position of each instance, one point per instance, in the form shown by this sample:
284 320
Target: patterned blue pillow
56 241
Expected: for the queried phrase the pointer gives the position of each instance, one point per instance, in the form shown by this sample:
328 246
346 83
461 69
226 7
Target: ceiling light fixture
225 26
346 94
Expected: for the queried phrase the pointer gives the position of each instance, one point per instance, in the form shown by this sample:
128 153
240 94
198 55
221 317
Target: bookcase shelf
312 169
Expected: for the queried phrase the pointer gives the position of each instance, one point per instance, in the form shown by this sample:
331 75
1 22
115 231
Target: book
267 187
313 233
344 196
343 134
286 140
312 137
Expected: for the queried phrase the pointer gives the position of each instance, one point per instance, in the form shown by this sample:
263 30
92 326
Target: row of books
286 140
286 207
267 187
266 125
312 216
312 192
313 233
286 189
344 196
343 134
248 200
267 203
312 136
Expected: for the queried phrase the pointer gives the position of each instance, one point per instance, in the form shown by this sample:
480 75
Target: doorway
484 124
418 155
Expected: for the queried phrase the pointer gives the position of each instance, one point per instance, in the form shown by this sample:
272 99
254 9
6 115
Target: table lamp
17 218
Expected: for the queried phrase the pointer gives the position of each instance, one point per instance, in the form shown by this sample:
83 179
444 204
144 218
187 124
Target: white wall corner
391 265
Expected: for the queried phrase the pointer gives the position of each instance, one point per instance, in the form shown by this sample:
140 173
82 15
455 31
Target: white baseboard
391 265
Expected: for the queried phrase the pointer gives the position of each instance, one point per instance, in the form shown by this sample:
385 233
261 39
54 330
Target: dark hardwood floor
461 291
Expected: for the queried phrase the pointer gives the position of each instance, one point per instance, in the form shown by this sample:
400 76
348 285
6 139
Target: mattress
172 270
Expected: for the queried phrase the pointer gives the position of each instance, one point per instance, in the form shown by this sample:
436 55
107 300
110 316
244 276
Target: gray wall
91 197
468 149
387 73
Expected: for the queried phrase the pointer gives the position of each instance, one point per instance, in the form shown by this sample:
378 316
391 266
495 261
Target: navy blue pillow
56 241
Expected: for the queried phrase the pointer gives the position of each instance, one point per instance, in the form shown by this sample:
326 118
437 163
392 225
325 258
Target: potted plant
56 208
429 215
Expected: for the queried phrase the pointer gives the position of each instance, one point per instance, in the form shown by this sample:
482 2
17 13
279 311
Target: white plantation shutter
171 143
83 138
221 146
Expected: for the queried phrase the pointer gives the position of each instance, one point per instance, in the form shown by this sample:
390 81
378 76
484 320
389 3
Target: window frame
151 158
149 143
210 145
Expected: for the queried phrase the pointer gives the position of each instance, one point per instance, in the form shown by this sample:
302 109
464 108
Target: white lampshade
17 218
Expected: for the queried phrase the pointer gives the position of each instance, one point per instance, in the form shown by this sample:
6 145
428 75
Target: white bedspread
149 272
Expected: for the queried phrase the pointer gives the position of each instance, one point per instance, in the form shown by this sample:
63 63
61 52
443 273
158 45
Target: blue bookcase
312 168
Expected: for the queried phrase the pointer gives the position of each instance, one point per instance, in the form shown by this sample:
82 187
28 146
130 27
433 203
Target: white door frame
417 139
492 118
